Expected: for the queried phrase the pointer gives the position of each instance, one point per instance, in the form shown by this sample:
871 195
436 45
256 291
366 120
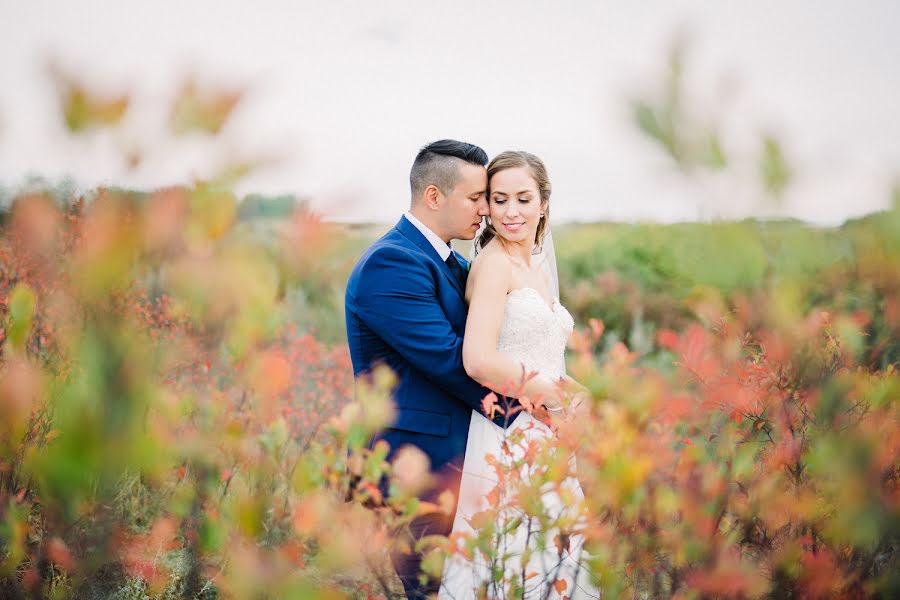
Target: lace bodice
534 334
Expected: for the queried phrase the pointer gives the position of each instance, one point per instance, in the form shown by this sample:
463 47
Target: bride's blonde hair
516 159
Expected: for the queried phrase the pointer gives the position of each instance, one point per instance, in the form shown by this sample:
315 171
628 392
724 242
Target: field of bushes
177 406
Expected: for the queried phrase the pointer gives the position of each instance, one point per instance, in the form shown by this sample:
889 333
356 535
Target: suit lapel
409 231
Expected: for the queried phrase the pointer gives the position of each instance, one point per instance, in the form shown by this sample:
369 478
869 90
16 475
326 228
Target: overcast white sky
346 93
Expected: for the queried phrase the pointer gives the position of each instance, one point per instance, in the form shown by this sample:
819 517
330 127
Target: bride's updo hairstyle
516 159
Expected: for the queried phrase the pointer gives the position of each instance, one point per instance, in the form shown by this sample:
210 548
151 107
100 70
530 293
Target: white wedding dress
534 334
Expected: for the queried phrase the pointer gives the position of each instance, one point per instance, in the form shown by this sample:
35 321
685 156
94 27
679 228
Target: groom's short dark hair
437 164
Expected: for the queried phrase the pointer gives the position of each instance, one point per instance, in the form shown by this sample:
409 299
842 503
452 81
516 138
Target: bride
516 333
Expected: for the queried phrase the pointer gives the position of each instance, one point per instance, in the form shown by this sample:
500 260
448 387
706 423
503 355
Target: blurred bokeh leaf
202 109
21 310
773 166
84 108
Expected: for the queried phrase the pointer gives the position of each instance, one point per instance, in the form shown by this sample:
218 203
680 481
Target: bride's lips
513 226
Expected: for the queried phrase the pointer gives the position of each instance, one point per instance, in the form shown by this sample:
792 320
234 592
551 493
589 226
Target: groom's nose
483 208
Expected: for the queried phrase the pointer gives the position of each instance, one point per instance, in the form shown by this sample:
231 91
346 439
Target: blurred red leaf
666 338
58 553
597 328
560 585
273 373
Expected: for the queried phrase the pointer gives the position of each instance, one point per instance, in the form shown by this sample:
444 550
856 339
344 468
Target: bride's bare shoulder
491 272
491 261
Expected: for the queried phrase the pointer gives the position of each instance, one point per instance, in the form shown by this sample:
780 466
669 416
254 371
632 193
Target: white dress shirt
440 246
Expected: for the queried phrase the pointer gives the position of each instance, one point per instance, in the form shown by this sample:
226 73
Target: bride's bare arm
489 283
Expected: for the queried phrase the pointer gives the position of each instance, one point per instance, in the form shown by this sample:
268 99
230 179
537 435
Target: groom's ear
432 197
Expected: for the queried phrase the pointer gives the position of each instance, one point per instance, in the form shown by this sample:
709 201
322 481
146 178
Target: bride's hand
576 399
549 394
580 405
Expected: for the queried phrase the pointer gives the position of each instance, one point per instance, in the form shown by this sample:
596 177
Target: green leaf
775 171
21 310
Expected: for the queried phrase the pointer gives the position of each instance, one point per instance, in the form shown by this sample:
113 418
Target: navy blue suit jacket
405 309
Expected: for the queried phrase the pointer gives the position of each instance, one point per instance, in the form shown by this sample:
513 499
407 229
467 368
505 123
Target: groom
405 307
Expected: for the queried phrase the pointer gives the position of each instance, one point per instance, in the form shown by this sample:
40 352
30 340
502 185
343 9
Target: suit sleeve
398 300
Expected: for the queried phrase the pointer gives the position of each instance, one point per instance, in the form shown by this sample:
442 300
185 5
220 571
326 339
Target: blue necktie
457 270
